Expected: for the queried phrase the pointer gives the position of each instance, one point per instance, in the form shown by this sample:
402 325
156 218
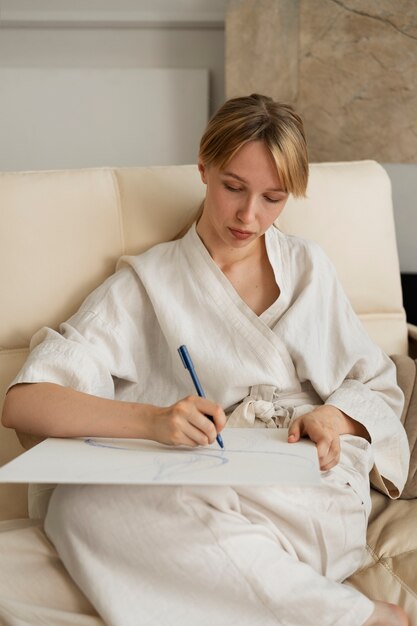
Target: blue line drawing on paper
166 462
179 461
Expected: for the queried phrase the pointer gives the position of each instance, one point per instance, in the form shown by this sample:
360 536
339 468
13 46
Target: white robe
123 342
308 348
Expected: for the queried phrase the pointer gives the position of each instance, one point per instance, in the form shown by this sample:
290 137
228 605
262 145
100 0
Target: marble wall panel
262 48
348 66
358 79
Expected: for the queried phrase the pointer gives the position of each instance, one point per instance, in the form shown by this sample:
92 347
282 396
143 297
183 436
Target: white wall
66 118
87 35
118 47
112 11
404 195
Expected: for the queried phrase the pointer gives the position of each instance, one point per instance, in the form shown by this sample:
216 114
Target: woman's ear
202 170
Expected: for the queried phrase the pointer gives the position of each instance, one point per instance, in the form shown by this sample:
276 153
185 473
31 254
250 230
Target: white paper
251 456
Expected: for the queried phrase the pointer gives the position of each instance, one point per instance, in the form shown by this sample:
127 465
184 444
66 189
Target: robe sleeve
349 371
94 347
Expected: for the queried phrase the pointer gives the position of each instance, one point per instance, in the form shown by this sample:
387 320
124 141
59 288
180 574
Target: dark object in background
409 286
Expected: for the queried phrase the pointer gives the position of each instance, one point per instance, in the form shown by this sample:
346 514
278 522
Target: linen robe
308 348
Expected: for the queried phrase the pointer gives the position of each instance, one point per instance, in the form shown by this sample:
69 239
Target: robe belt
263 409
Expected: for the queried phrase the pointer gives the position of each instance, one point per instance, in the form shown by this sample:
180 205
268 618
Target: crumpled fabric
263 408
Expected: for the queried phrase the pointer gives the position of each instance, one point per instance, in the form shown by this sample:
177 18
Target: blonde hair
253 118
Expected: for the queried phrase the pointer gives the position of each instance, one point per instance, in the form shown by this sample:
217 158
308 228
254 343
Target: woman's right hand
186 422
50 410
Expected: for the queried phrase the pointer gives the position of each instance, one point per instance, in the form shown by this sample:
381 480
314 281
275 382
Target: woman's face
242 200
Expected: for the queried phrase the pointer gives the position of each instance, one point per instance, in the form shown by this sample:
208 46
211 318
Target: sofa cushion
65 227
34 585
407 380
388 573
13 498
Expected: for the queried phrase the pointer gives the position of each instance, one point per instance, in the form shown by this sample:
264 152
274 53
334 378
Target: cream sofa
61 234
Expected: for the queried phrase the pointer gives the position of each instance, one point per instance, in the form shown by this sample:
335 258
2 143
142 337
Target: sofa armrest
412 340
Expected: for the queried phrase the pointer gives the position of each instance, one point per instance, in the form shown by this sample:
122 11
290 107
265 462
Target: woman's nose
247 210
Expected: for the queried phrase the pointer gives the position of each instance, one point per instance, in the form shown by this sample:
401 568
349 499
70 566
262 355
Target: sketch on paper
250 457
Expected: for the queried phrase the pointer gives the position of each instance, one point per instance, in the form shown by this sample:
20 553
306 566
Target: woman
276 344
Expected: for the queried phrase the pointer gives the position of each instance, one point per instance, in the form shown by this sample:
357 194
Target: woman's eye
273 200
230 188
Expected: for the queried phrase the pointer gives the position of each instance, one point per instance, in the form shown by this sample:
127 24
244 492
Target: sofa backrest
63 231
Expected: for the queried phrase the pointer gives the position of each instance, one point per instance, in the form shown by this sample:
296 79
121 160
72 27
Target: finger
187 441
212 409
329 458
205 426
203 430
178 433
192 414
197 436
323 452
181 431
176 425
294 432
329 464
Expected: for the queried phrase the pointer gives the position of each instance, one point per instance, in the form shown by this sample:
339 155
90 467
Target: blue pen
188 364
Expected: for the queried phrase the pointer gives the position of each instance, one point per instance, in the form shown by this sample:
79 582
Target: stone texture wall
348 66
262 47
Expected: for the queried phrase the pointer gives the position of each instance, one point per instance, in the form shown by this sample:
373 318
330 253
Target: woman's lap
237 555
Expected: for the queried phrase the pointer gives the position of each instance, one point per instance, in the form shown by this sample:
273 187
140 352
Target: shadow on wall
409 286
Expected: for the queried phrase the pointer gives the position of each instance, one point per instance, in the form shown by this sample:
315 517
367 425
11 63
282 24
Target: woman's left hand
324 425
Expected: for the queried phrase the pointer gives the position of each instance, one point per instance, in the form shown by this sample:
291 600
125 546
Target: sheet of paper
250 457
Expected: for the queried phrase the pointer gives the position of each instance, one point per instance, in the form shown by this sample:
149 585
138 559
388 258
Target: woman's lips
240 234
